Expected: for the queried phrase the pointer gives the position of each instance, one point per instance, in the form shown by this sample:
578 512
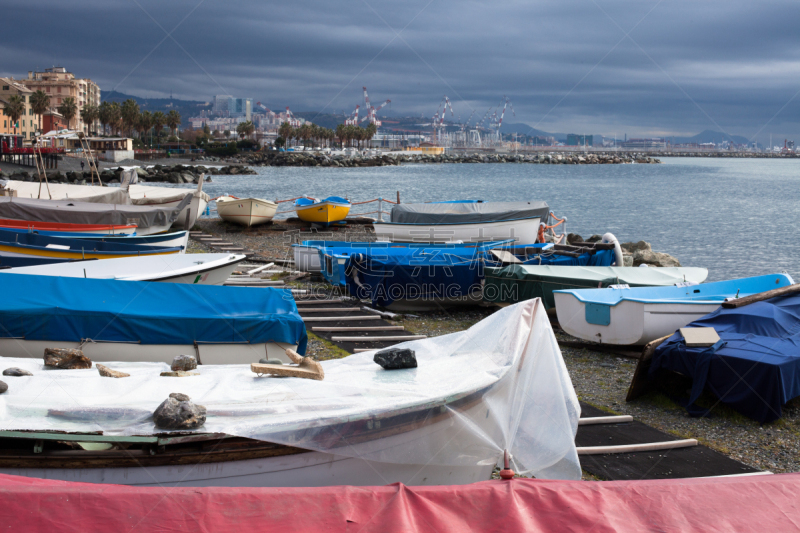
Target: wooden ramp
346 324
688 460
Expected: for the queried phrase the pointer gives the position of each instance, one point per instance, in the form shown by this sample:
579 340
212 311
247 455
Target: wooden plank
359 350
259 269
379 339
631 448
328 309
338 318
761 296
314 302
362 328
618 419
640 381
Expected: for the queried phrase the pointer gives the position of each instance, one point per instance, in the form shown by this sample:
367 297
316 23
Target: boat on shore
29 249
159 240
324 212
196 269
637 316
245 211
152 322
66 230
148 219
465 221
515 283
447 421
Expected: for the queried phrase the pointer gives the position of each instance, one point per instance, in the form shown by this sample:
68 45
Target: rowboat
131 321
148 219
201 269
640 315
328 211
70 229
447 421
28 249
470 221
130 193
245 211
515 283
160 240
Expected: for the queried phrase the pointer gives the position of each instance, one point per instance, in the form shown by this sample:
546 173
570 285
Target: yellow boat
331 209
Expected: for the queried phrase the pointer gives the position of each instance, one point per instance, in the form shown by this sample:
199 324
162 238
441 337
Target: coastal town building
226 105
579 140
59 84
28 122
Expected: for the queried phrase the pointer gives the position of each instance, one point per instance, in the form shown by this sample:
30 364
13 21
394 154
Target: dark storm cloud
685 66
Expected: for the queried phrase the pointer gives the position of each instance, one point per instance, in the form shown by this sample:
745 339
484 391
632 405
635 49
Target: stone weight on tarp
396 358
178 412
183 362
3 387
66 358
15 371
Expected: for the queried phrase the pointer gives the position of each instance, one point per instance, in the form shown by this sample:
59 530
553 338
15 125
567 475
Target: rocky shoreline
157 173
311 159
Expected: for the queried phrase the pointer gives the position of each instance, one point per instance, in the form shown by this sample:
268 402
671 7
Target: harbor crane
498 122
293 122
264 108
438 120
372 111
352 120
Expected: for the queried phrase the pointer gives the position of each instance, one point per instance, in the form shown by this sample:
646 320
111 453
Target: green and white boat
515 283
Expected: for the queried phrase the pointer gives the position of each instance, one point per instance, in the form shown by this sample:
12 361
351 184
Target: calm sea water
735 217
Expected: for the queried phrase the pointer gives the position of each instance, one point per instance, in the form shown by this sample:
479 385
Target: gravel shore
600 379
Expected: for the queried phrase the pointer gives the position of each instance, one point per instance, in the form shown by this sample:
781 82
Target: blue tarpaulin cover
71 309
756 366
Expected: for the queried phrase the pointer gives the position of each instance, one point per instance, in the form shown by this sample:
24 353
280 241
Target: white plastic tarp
501 384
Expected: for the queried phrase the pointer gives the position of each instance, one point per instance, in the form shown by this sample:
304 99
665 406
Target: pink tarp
756 503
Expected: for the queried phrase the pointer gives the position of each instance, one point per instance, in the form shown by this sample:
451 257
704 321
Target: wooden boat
468 221
201 269
445 422
641 315
28 249
131 321
128 194
325 212
515 283
148 219
71 229
160 240
245 211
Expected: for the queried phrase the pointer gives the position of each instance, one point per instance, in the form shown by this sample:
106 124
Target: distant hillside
715 137
325 120
187 108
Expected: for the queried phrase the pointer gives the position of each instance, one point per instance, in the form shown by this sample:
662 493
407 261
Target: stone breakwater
302 159
157 173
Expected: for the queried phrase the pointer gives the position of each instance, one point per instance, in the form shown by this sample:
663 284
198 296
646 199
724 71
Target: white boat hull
306 259
198 269
101 352
246 211
631 323
193 210
524 231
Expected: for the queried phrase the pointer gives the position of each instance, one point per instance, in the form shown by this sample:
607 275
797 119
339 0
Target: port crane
372 111
352 120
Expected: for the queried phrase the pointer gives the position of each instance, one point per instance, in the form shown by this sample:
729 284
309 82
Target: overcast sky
669 67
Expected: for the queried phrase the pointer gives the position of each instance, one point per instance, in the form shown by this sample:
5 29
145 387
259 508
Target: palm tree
104 115
90 114
68 109
370 132
130 115
340 133
115 117
159 119
286 131
173 121
40 103
244 129
144 123
15 108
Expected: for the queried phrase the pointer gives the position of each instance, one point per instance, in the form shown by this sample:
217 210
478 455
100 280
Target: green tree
15 108
245 129
144 124
68 110
286 131
90 114
130 115
115 117
159 119
173 120
104 115
340 134
40 103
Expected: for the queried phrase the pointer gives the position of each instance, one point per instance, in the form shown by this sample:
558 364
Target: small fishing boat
67 229
159 240
473 395
129 321
325 212
198 269
28 249
466 221
148 219
245 211
628 315
515 283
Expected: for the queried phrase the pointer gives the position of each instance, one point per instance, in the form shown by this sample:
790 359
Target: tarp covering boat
755 368
74 212
753 503
515 283
468 212
500 385
136 195
71 309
